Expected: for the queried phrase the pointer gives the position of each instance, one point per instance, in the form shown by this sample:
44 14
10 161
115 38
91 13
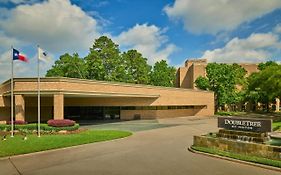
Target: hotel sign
245 124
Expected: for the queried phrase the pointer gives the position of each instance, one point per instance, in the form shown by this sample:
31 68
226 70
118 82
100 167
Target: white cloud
7 42
150 40
59 26
213 16
20 68
55 24
257 47
19 1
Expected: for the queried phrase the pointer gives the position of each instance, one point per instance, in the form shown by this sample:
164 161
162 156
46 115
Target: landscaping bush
17 122
4 127
61 123
67 128
32 126
29 128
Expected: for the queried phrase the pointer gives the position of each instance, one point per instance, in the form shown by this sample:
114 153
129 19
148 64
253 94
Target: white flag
42 55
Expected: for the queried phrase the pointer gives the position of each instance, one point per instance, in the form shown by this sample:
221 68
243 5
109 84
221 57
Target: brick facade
58 93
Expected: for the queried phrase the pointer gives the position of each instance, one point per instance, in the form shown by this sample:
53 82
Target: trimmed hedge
61 123
33 126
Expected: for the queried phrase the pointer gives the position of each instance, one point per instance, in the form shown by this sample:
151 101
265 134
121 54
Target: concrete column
19 107
277 105
58 106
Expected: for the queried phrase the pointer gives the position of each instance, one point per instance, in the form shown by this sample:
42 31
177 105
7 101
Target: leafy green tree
262 66
68 66
224 80
104 61
265 86
202 83
163 74
137 69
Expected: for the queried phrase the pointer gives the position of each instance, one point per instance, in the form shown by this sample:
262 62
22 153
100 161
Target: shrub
32 126
17 122
29 128
61 123
4 127
67 128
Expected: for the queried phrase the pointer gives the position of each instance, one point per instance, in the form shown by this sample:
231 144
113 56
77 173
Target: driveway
132 126
151 151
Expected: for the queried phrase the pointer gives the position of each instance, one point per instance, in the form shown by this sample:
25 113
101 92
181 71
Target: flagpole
12 94
38 87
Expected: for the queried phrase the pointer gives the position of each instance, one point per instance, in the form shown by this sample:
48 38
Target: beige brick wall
199 70
58 106
162 96
144 114
19 107
5 101
250 68
152 114
187 75
182 77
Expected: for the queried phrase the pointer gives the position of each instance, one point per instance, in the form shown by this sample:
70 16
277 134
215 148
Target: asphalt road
157 151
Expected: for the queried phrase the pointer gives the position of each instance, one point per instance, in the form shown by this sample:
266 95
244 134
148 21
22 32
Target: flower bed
61 123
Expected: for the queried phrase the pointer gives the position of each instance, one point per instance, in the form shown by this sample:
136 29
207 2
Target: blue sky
174 30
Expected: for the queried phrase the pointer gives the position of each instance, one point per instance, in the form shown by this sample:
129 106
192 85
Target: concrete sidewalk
157 151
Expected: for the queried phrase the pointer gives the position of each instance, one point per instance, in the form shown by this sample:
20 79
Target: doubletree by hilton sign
245 124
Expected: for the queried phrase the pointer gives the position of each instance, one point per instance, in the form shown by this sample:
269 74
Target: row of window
160 107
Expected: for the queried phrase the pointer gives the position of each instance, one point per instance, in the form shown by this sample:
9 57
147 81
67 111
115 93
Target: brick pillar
277 105
58 106
19 107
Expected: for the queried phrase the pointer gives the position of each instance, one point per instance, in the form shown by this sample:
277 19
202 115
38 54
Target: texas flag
18 56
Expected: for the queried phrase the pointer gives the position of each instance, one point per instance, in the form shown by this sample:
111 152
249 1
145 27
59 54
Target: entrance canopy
145 101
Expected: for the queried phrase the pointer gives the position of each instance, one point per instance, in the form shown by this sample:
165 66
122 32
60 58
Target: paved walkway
156 151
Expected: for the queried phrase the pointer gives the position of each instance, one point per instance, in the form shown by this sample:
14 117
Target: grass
276 126
16 145
247 158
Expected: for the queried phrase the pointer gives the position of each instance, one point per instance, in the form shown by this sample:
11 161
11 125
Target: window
161 107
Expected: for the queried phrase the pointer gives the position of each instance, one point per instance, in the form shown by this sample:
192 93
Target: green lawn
276 125
254 159
16 145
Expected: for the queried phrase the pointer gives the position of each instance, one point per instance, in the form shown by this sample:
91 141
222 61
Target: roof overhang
79 94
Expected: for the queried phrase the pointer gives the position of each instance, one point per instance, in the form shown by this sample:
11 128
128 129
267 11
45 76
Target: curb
235 160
